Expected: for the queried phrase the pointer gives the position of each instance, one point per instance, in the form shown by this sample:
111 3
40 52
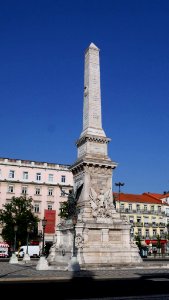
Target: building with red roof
148 214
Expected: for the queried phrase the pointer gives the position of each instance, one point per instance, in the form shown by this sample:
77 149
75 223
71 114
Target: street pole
119 184
74 221
15 230
26 255
44 222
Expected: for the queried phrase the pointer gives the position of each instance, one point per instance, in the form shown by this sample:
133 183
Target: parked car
33 251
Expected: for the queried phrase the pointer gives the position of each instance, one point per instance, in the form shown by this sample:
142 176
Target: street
148 280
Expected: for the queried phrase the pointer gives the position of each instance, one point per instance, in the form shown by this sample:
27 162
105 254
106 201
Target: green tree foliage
158 241
68 208
18 212
138 241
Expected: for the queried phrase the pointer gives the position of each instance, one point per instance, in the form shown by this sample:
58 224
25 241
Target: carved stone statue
101 203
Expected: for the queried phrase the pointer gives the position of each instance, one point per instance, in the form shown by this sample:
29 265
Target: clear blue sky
41 83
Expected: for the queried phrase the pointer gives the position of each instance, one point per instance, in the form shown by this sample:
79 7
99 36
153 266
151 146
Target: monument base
98 246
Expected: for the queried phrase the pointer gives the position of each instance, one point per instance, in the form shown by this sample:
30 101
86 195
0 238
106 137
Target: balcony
138 224
162 225
146 224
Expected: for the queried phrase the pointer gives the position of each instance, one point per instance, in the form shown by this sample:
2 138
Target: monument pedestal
99 245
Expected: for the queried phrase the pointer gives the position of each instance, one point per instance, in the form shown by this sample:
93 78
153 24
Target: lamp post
44 222
43 263
119 184
15 230
26 255
13 259
28 231
74 221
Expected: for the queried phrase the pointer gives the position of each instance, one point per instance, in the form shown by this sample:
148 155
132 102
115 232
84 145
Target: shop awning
3 244
154 242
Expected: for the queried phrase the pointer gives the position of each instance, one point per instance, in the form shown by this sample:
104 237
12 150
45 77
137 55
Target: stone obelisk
102 237
93 168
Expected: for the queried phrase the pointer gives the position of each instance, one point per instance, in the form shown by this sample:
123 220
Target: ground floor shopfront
157 247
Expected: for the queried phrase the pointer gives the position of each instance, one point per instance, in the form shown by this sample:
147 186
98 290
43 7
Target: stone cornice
92 138
82 163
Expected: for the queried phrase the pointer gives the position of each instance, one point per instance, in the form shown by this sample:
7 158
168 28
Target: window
154 232
49 206
24 190
63 178
25 175
146 221
10 189
130 206
50 191
37 191
138 207
121 206
11 174
138 219
145 207
36 208
139 232
159 208
50 177
38 176
153 221
147 233
152 208
161 232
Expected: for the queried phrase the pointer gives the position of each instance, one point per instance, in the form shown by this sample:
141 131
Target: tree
138 241
18 212
158 242
68 208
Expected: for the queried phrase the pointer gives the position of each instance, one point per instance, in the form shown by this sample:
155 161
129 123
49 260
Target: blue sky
42 74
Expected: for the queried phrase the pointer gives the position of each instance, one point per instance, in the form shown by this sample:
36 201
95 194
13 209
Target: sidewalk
27 271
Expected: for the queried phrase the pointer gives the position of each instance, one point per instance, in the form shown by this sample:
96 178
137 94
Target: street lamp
26 255
28 231
13 259
15 230
119 184
44 222
74 221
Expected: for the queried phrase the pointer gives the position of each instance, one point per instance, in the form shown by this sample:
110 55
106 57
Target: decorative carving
79 241
101 203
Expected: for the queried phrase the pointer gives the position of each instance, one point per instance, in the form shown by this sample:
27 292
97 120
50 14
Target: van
33 251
